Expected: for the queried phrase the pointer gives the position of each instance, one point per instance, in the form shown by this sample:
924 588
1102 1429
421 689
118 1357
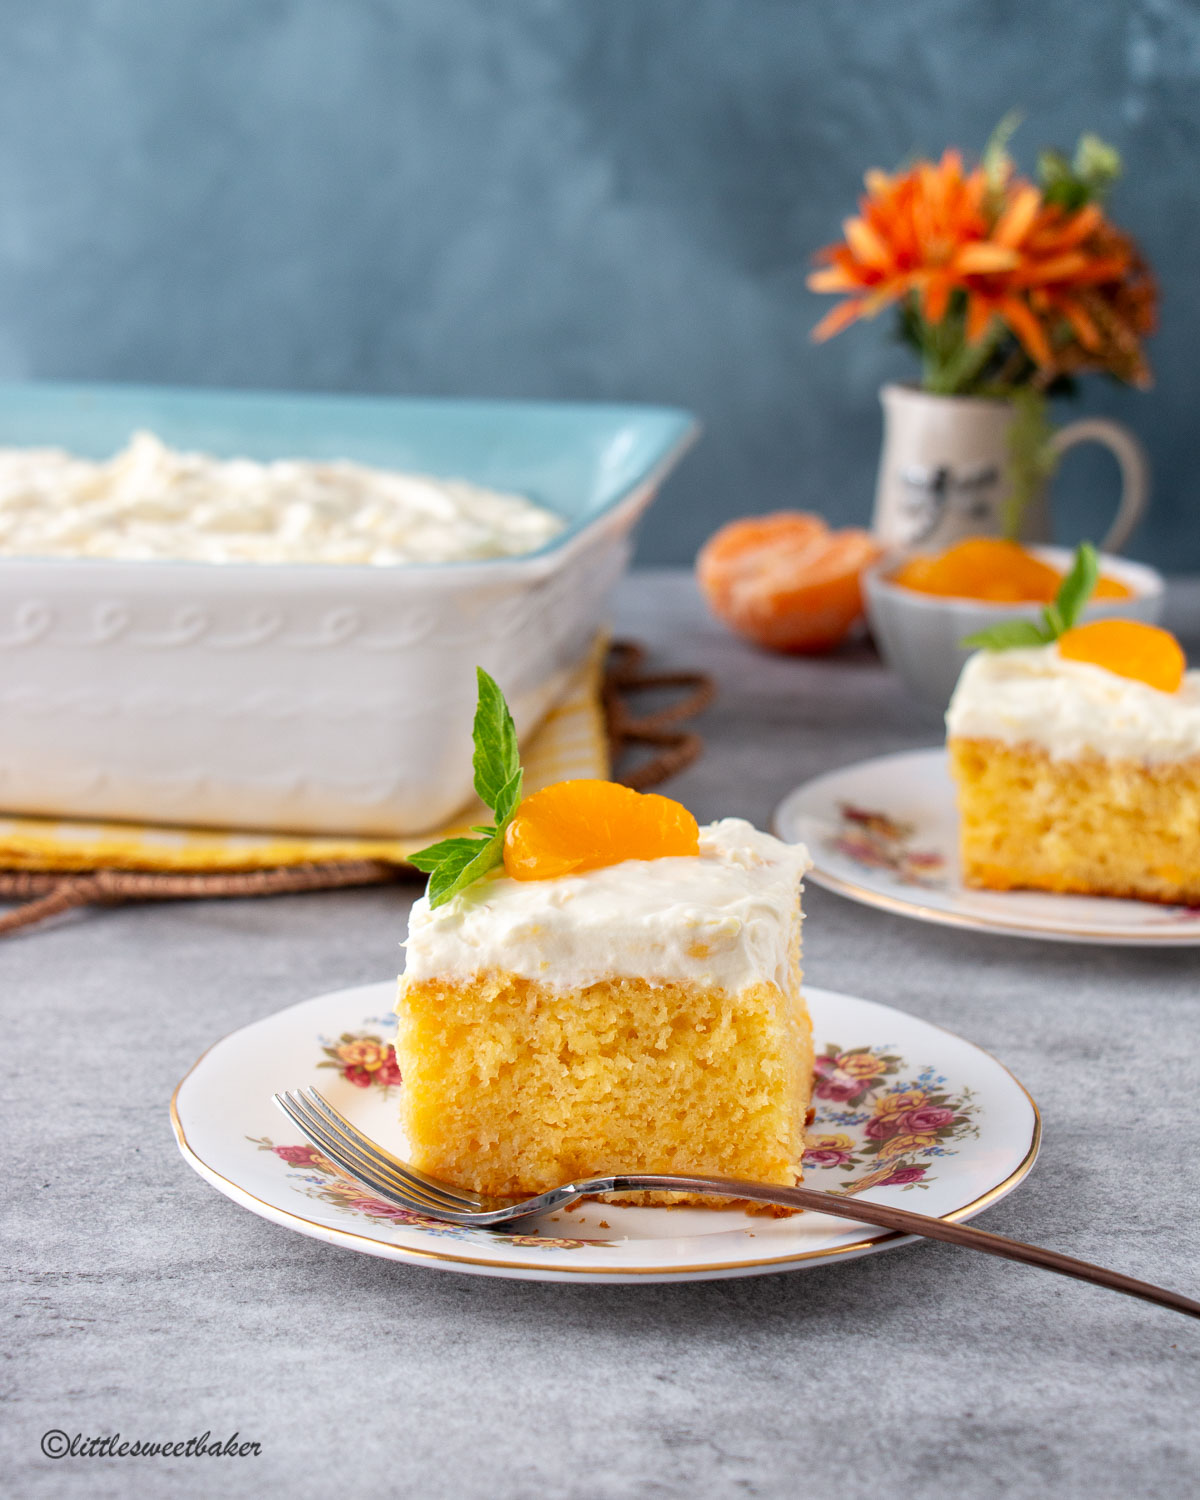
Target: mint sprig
1057 618
454 864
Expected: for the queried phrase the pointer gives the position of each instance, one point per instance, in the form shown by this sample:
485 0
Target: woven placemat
666 749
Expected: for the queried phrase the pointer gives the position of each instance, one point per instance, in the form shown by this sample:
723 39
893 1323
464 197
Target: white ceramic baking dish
323 698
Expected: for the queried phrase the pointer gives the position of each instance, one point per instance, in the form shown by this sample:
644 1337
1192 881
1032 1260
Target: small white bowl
919 635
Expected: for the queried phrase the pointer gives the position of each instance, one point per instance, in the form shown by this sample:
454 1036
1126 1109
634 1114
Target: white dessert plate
885 832
906 1112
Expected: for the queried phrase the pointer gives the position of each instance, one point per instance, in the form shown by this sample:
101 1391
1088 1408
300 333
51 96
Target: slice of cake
1077 764
618 991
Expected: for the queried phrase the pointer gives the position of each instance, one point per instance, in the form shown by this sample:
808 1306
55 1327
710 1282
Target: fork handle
904 1221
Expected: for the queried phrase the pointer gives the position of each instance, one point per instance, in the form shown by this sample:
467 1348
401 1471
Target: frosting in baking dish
725 919
151 501
1069 708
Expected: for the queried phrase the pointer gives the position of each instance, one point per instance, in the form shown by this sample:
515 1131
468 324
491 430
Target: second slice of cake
646 1015
1077 765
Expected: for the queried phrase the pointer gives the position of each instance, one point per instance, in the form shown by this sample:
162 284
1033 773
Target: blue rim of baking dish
94 419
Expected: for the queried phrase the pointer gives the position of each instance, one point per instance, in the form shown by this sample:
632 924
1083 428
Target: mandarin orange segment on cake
640 1011
1077 765
1130 648
584 825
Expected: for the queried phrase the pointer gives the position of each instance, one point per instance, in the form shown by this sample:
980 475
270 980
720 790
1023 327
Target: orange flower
1063 257
1109 309
1069 286
923 231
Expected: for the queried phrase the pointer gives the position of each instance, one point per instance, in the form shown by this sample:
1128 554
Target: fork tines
368 1163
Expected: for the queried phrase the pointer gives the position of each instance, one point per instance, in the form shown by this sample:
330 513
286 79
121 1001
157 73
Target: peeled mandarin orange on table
994 570
584 825
1129 648
785 580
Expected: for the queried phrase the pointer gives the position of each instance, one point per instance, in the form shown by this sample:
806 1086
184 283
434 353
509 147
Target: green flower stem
950 365
1032 459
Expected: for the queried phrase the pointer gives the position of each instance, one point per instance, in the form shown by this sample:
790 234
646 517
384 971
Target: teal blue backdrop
580 198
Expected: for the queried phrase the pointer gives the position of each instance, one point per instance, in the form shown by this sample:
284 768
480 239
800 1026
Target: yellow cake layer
512 1087
1092 826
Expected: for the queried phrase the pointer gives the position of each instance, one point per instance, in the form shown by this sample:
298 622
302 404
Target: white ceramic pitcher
944 471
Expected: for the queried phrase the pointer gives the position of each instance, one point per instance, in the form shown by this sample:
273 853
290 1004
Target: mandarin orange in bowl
994 570
921 607
785 580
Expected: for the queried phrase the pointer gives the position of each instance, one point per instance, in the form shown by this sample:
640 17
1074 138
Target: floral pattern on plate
876 842
363 1058
891 1129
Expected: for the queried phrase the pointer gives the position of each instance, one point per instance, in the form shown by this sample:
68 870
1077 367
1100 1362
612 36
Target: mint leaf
429 859
464 867
509 796
454 864
1007 635
1073 593
497 758
1076 588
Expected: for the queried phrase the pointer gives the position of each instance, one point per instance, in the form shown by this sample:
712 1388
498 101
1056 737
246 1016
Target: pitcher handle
1135 470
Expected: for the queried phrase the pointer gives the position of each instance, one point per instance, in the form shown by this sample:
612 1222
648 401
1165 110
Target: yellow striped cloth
571 741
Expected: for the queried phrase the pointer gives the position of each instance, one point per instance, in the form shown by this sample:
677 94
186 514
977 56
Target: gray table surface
139 1299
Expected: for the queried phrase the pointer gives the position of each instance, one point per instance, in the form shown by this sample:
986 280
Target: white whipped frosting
723 919
150 501
1032 695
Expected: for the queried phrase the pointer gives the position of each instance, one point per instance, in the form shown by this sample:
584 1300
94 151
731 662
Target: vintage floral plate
905 1111
885 832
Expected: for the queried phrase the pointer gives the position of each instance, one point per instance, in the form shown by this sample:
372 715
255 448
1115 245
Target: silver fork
398 1182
